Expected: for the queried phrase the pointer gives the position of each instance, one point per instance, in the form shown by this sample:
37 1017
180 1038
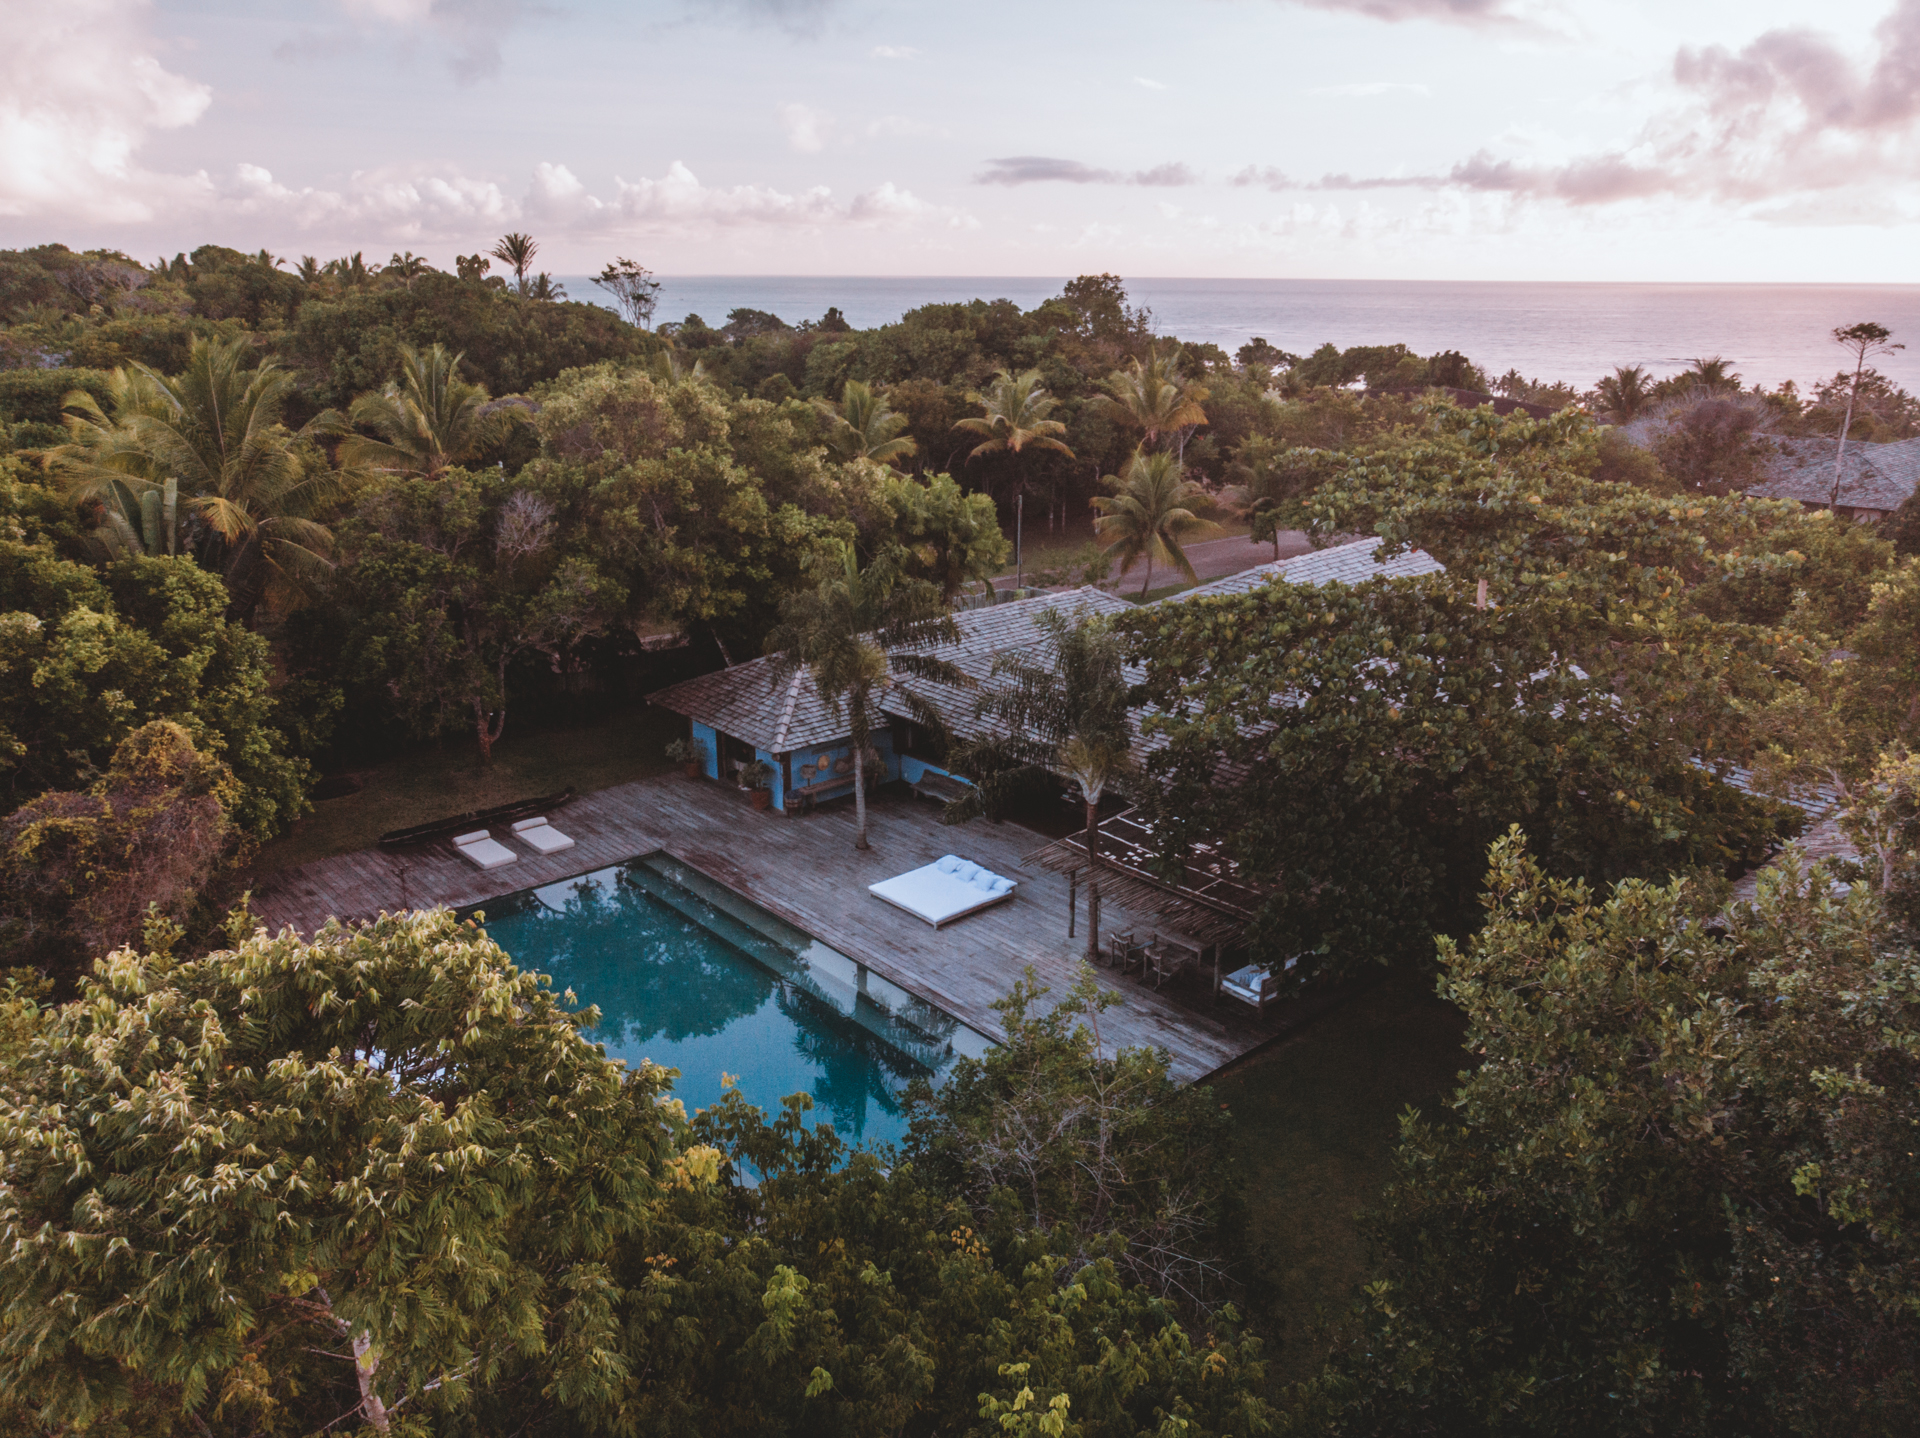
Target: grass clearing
439 780
1318 1117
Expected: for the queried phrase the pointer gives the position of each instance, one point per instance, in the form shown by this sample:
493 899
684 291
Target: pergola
1211 902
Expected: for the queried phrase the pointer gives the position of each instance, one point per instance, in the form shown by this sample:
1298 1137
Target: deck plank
806 871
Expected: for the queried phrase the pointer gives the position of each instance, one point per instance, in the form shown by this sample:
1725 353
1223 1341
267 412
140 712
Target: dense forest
256 517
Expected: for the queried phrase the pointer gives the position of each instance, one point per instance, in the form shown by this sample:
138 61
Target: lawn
1317 1116
436 781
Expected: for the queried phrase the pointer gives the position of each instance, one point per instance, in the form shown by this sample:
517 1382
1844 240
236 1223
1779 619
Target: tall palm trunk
858 709
1093 880
1149 580
1840 454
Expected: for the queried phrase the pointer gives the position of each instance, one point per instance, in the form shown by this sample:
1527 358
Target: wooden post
1073 898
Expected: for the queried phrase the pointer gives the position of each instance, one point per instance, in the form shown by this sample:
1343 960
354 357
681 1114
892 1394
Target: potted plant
689 753
755 778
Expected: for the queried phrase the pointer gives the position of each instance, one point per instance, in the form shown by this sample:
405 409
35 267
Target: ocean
1547 331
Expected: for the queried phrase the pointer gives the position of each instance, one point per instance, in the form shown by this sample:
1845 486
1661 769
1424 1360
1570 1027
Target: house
753 712
1875 479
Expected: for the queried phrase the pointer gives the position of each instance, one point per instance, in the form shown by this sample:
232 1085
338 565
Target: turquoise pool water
690 975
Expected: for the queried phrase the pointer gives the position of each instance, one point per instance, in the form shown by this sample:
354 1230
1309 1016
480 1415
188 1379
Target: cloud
894 52
467 33
1145 83
81 89
1790 114
806 127
1042 169
1266 176
796 17
1455 12
1370 88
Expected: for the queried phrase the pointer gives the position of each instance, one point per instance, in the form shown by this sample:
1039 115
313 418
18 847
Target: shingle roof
754 702
1873 476
777 714
1343 564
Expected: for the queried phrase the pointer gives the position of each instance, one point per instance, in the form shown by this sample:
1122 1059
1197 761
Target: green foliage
452 579
88 656
380 1181
1677 1195
79 871
948 537
308 1180
1109 1156
1150 513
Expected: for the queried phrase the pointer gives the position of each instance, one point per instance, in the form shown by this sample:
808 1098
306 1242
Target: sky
1646 140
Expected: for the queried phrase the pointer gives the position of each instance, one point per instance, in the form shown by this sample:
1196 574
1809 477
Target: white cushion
948 864
544 837
1002 884
932 894
526 824
475 837
984 881
487 853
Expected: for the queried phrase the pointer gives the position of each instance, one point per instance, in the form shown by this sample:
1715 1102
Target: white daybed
482 849
1255 985
947 889
539 834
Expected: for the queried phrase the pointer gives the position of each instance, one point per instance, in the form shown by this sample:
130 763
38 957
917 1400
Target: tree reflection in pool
690 975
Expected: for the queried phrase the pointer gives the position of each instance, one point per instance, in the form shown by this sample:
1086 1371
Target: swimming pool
690 975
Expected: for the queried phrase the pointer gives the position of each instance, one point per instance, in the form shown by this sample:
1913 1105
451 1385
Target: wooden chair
1166 959
1123 953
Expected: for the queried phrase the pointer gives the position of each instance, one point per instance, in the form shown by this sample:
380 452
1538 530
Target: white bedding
483 849
949 888
539 834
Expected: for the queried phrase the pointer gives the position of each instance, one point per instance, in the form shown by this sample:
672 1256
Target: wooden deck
807 871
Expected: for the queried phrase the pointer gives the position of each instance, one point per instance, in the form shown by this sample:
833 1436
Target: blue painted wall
704 735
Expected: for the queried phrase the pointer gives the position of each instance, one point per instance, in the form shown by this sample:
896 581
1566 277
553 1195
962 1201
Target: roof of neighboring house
782 713
1873 476
1343 564
779 714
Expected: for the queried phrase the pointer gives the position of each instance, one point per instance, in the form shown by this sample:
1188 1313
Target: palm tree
1153 396
516 252
1712 374
857 632
216 429
863 427
408 267
1016 417
428 420
1264 481
1625 392
1150 514
1060 708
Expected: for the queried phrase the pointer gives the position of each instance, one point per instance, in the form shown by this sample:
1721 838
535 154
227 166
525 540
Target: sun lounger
482 849
949 888
539 834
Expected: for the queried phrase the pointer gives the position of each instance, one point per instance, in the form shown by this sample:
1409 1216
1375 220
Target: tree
1151 395
858 632
449 581
1150 515
1624 393
1016 418
633 285
1676 1192
343 1220
88 656
407 268
516 251
946 535
79 871
1061 711
861 426
381 1182
428 420
1104 1152
1860 340
1270 478
217 429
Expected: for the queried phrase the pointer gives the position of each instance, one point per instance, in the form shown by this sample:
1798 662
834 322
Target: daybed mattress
949 888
